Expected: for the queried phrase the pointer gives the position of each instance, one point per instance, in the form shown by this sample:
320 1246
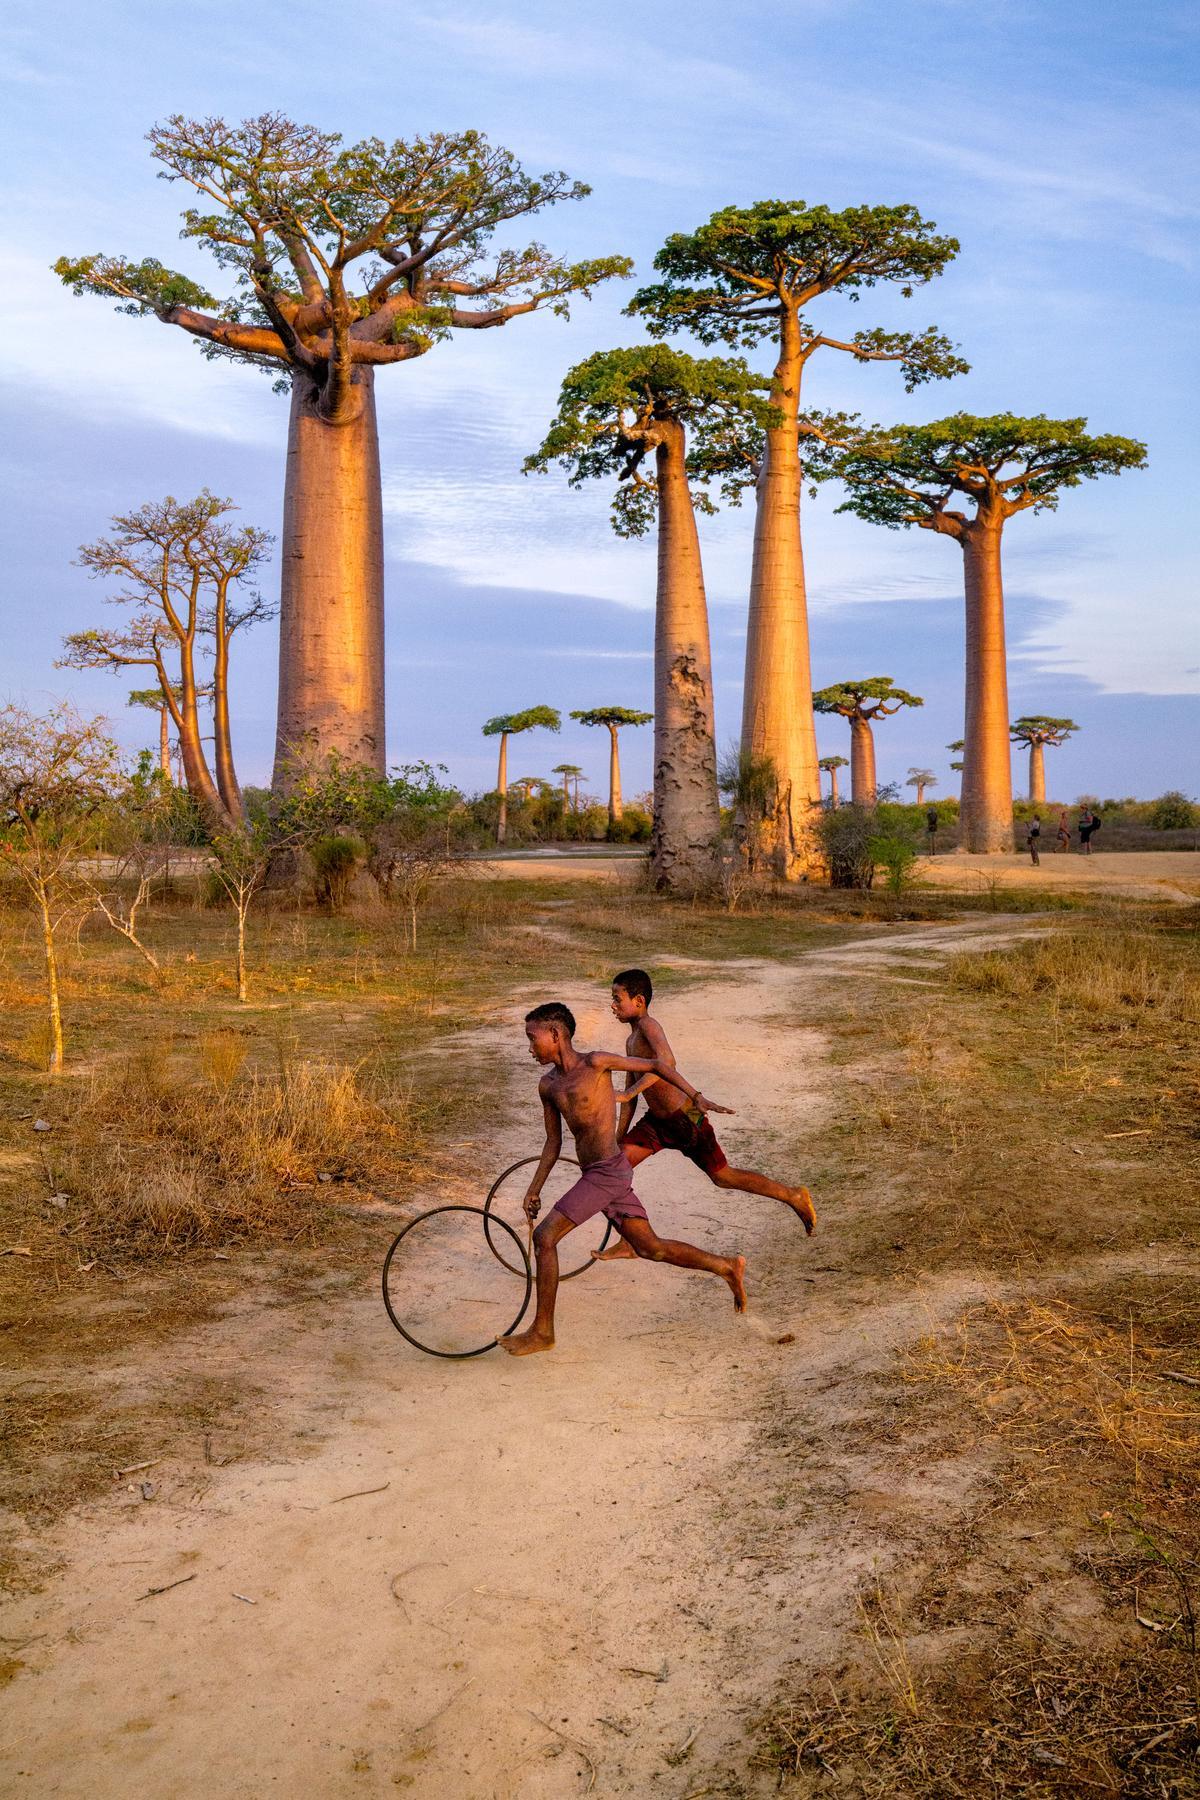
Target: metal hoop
489 1215
522 1268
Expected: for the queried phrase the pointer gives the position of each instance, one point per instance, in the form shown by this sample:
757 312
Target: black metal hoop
522 1268
489 1215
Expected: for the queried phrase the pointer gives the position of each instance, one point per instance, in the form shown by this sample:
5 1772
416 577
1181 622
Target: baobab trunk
227 781
502 790
920 793
986 808
862 763
834 796
777 715
687 815
164 743
616 809
198 780
1037 774
331 593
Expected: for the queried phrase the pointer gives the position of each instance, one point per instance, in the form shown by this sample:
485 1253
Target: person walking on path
1033 836
931 825
1089 823
577 1087
1064 834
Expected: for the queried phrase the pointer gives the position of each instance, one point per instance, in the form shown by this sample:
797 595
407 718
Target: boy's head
548 1027
632 992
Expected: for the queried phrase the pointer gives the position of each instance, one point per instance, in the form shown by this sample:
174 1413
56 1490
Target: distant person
1033 838
1064 834
1089 823
931 825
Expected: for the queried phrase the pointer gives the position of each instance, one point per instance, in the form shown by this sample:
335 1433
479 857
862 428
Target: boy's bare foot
527 1344
801 1203
736 1280
617 1252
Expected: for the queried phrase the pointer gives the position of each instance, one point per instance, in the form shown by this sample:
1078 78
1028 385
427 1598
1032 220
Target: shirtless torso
583 1096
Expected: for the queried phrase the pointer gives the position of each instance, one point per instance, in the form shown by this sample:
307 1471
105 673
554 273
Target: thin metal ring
489 1215
458 1355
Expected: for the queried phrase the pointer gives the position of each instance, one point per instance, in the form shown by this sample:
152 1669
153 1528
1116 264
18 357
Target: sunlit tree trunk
687 816
862 762
196 773
227 781
1037 774
920 793
502 789
55 1056
777 715
331 594
986 812
164 742
834 794
616 809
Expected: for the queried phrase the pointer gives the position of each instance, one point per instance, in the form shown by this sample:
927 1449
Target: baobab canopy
876 697
1036 728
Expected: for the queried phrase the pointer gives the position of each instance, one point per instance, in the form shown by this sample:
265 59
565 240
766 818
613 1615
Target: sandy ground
584 1571
1171 875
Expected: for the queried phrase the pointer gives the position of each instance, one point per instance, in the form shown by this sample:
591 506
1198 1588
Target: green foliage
633 827
612 715
897 857
1038 728
875 698
293 217
335 861
729 280
1173 811
908 474
834 762
618 406
541 718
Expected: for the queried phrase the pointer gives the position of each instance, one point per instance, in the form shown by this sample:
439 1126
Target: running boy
578 1087
670 1123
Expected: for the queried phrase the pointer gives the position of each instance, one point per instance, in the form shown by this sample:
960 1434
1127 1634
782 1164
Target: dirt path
584 1570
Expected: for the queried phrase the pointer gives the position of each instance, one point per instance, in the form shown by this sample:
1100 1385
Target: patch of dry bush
154 1163
1121 973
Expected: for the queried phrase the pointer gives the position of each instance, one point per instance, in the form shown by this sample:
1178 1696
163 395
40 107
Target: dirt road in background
583 1572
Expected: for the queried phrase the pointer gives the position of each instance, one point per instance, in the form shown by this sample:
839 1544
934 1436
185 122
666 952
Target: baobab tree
1036 731
505 726
749 275
664 427
571 773
179 565
956 748
343 260
1001 465
831 765
862 702
153 700
921 779
613 718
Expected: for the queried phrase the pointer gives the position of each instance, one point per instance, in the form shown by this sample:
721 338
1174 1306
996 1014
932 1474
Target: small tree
613 718
504 726
242 859
862 702
921 779
1173 811
154 700
139 828
999 466
1036 731
749 782
58 772
571 773
831 765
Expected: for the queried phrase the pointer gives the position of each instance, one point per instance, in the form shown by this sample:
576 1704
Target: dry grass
1113 974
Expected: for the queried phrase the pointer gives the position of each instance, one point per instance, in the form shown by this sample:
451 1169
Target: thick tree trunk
777 715
986 811
834 796
862 762
687 810
1037 774
920 793
502 789
616 809
331 597
227 781
196 773
164 742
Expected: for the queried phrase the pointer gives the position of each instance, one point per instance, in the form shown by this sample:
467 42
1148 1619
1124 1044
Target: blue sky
1057 140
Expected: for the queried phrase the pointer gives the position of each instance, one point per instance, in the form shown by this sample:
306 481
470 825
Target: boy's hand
532 1204
707 1106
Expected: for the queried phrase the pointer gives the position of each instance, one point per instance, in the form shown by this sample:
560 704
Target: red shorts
681 1131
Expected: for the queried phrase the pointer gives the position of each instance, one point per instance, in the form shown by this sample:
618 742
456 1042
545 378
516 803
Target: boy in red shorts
670 1122
577 1087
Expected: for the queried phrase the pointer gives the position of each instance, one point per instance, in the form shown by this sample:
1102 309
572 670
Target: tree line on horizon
347 259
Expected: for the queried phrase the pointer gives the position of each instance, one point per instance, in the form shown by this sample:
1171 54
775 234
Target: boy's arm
643 1065
551 1152
656 1037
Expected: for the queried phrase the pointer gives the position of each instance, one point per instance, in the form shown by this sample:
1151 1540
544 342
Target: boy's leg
798 1198
540 1336
645 1242
618 1252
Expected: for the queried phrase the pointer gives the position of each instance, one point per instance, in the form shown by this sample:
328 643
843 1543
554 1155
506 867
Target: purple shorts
605 1187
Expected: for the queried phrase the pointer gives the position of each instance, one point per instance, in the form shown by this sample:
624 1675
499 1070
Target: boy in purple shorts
578 1087
669 1122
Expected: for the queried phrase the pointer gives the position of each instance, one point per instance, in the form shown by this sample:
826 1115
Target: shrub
846 836
1173 811
898 858
335 861
634 827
